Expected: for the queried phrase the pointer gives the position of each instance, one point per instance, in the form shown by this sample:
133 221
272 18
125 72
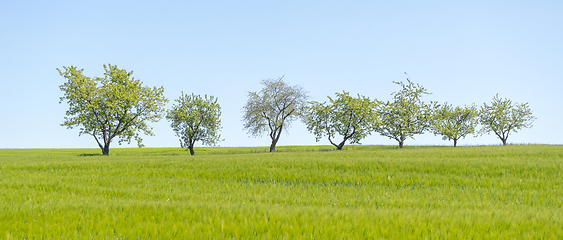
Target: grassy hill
314 192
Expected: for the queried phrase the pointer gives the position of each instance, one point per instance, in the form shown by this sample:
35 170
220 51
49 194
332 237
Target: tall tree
113 106
196 118
351 118
454 123
273 109
503 117
407 115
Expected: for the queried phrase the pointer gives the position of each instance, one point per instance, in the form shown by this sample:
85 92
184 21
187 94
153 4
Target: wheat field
305 192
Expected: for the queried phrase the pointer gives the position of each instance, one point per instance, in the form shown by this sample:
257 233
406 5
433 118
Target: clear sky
462 51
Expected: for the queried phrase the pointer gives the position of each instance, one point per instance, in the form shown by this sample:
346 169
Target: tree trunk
400 144
339 147
275 137
455 142
191 148
502 137
274 142
105 150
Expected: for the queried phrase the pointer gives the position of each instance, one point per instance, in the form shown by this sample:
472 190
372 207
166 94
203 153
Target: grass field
373 192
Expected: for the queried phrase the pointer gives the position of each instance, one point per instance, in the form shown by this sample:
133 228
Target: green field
373 192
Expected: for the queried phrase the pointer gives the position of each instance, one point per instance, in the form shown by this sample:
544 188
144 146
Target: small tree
273 109
115 106
503 117
407 115
454 123
352 118
196 119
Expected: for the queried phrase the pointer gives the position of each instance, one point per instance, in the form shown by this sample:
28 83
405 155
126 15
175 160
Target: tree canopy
504 117
195 118
407 115
117 107
273 108
113 106
454 123
351 118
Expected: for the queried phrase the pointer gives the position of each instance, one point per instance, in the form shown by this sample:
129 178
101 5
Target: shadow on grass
89 154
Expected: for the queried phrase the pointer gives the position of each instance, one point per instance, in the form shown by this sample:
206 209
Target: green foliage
352 118
407 115
115 106
273 109
369 192
454 123
196 119
503 117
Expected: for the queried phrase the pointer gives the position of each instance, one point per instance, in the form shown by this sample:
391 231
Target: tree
503 117
352 118
454 123
273 109
113 106
407 115
196 119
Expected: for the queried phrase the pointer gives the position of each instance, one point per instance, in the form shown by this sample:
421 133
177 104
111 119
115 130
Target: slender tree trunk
455 142
275 138
274 142
191 148
502 137
401 144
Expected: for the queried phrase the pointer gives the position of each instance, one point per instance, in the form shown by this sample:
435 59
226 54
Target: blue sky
462 51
